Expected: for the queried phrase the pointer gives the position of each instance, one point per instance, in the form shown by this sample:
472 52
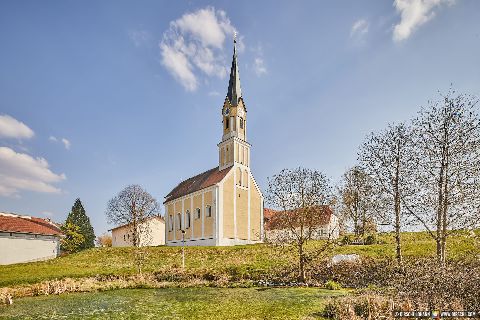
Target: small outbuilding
25 239
152 233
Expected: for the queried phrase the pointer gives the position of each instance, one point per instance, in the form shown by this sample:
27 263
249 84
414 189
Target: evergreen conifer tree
78 217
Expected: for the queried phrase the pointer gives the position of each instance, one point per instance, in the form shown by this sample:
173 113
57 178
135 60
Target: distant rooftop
10 222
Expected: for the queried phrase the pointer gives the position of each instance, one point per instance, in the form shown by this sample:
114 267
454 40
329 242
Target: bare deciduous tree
300 196
387 158
358 199
132 207
447 181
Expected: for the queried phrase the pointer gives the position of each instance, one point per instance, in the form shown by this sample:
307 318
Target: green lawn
174 303
242 261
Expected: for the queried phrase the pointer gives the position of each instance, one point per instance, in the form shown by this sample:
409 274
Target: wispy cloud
414 13
12 128
20 171
214 93
359 28
193 46
139 37
258 61
259 66
66 143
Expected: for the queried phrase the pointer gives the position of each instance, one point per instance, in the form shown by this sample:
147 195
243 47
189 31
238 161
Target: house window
170 221
124 239
197 213
187 223
209 211
226 122
179 221
241 123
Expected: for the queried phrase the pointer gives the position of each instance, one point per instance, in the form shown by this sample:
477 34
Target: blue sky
96 95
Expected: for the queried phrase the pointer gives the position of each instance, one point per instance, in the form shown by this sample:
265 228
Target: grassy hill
249 262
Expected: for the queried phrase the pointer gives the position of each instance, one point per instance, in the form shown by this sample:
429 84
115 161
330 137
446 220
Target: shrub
370 239
346 240
332 285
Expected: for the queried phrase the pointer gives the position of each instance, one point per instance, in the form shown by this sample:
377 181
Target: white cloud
12 128
259 66
359 28
20 171
193 45
139 37
66 143
414 13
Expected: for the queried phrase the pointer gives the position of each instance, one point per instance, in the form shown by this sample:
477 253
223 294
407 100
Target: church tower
222 206
234 150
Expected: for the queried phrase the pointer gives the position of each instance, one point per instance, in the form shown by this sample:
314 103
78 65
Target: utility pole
183 249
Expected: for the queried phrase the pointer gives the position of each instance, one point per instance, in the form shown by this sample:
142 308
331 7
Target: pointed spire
234 92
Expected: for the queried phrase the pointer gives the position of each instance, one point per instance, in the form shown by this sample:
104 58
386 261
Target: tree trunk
445 210
397 239
438 238
301 256
397 211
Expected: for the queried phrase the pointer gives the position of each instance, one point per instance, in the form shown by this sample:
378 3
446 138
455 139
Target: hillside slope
249 262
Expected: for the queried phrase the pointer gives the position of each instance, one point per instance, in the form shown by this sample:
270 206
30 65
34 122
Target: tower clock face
226 112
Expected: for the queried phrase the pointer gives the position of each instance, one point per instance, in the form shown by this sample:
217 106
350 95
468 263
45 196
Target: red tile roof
273 218
196 183
23 224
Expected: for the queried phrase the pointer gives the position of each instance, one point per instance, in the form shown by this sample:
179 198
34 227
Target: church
224 205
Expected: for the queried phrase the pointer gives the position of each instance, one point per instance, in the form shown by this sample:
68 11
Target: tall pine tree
78 217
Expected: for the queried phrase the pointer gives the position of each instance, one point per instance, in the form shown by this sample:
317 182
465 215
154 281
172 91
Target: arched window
209 211
179 221
226 122
241 123
170 221
197 213
188 218
239 176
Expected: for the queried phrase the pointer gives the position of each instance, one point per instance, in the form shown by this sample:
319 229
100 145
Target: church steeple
234 148
234 92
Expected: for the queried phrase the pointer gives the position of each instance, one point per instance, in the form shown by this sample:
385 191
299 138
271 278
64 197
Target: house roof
273 218
26 224
196 183
147 219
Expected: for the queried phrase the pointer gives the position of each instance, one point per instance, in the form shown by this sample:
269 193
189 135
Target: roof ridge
197 182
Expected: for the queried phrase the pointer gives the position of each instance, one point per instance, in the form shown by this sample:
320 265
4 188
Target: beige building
224 205
152 233
25 239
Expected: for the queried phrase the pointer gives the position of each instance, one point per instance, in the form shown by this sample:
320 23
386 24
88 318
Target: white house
26 239
152 233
